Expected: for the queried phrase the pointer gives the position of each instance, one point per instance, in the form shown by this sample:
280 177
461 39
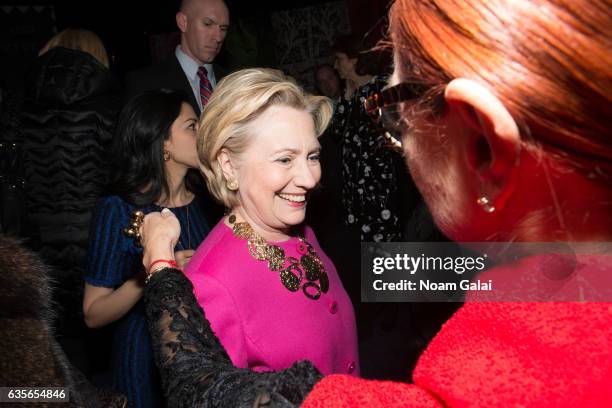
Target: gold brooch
307 273
133 229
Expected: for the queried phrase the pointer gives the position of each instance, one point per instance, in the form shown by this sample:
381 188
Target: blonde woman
271 295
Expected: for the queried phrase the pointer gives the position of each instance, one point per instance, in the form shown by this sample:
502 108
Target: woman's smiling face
279 167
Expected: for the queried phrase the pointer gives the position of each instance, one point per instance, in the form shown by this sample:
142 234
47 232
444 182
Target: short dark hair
137 172
349 44
318 67
371 60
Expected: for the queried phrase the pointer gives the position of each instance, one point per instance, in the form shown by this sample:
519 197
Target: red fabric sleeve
499 355
346 391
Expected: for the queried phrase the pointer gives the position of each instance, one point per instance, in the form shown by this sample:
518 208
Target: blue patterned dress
112 259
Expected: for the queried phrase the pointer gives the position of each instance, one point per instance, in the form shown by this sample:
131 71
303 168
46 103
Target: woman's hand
159 234
183 258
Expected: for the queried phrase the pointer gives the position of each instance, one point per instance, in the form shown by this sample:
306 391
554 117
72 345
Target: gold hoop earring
166 155
485 203
232 185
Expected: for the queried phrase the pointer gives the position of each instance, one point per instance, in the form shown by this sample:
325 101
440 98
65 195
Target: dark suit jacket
170 75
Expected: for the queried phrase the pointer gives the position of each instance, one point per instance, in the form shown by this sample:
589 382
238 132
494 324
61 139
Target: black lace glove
195 369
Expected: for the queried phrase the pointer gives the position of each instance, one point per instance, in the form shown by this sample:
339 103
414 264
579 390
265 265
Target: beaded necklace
307 273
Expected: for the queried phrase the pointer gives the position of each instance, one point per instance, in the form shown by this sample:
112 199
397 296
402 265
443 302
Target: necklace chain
180 242
188 231
307 273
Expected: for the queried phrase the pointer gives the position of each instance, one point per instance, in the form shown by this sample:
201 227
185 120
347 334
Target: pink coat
260 323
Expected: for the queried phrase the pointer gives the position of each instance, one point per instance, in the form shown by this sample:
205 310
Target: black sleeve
195 369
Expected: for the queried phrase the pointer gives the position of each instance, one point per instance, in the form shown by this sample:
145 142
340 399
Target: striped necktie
205 86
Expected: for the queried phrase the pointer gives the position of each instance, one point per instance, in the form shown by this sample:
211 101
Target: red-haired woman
509 142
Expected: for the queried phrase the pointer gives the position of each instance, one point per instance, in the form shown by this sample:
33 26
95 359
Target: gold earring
232 185
486 205
166 155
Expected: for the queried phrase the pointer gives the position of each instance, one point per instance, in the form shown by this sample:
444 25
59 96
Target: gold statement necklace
307 273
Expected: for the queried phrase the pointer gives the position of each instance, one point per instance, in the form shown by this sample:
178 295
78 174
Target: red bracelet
172 263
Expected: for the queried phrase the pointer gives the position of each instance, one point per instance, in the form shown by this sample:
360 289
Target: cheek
416 160
262 181
316 172
200 35
434 173
275 179
209 34
194 151
427 154
188 144
194 34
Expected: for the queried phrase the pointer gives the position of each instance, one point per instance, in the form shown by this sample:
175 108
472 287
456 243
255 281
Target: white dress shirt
190 67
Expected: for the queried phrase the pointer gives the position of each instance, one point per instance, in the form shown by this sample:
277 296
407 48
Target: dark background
134 32
130 29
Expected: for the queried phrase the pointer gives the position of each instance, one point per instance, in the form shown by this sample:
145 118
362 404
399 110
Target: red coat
499 355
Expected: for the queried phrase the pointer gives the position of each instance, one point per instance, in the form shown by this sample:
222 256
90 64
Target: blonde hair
80 40
239 99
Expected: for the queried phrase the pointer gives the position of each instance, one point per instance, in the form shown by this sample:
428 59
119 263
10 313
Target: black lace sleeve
195 369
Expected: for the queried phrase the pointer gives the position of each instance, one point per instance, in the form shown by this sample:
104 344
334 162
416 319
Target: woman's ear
493 145
227 167
167 145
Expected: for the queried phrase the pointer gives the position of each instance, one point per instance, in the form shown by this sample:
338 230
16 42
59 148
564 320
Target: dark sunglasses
383 108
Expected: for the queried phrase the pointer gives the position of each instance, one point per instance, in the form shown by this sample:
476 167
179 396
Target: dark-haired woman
154 148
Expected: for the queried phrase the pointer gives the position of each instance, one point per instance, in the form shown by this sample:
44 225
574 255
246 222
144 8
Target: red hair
548 61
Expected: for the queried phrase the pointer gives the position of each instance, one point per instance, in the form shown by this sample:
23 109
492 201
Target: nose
307 175
219 35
